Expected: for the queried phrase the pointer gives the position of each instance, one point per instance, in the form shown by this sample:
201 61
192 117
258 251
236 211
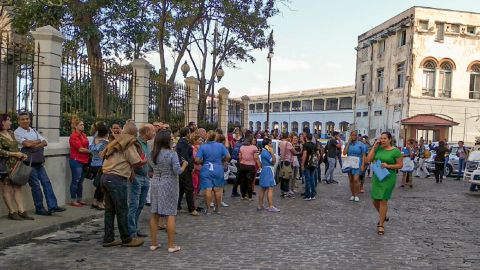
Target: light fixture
185 69
220 73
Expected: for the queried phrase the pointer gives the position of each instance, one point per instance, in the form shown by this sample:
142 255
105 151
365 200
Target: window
286 106
296 106
471 30
306 105
359 114
276 106
317 127
343 126
318 104
455 28
346 103
265 106
330 127
423 25
381 47
378 113
259 107
251 108
305 125
475 82
250 125
400 83
380 73
363 84
402 37
295 126
440 31
258 125
285 126
332 104
428 81
365 113
445 82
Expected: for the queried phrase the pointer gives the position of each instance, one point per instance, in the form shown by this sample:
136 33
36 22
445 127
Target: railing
94 90
18 58
168 103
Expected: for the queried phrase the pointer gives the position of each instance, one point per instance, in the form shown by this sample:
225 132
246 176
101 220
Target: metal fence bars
235 113
95 89
168 103
18 58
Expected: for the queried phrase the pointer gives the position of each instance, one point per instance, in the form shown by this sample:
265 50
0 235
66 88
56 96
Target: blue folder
380 172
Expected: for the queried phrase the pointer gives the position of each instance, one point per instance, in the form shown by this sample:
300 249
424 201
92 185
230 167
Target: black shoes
25 216
57 209
43 212
14 216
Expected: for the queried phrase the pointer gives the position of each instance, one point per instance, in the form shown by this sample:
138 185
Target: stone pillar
46 107
245 100
223 109
192 101
141 69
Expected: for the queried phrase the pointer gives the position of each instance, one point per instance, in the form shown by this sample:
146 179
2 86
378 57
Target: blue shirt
357 149
212 152
266 158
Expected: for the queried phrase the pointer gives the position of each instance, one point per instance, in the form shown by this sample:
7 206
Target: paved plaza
432 226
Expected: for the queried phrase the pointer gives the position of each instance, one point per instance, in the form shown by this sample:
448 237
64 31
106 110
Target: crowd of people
132 167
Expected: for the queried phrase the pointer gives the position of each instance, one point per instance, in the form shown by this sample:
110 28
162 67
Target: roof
428 120
310 93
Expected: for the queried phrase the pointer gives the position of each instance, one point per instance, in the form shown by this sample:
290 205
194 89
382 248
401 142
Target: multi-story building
322 110
418 75
235 111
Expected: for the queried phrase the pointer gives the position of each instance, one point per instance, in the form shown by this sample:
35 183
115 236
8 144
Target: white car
472 168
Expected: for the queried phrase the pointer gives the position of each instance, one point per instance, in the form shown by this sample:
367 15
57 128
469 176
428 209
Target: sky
315 41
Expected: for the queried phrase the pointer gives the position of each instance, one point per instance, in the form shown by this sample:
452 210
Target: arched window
317 127
258 125
305 124
265 125
445 82
475 81
330 127
428 81
275 125
285 126
295 126
250 125
343 126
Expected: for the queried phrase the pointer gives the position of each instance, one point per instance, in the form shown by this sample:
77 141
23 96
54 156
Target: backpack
236 149
313 160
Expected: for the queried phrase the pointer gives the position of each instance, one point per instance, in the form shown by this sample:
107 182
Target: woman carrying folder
391 158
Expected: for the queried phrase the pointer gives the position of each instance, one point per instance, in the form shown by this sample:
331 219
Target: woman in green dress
392 159
12 194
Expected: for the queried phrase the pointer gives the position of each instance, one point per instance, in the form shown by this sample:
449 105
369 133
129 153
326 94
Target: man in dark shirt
332 147
185 152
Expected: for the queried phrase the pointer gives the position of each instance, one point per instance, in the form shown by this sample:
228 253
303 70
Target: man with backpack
334 146
309 164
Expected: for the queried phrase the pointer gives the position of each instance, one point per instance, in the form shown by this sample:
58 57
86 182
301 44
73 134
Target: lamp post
219 74
269 57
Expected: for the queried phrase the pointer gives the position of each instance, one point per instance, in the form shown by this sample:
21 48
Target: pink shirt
248 154
286 151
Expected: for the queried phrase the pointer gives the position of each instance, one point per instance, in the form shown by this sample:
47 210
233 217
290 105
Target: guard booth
430 127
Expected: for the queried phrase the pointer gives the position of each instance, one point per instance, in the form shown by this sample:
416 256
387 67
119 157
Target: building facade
322 110
423 62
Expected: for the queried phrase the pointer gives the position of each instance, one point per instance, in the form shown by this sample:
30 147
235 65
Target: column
141 69
245 100
223 109
46 107
192 101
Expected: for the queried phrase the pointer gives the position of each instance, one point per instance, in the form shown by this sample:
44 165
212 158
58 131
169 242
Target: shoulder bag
21 173
35 155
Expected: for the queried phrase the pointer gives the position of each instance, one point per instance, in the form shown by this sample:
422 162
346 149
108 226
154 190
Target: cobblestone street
432 226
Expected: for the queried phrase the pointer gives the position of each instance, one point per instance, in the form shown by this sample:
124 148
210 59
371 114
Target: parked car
472 168
452 166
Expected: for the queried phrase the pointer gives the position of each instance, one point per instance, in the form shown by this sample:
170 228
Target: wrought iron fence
18 75
235 113
95 90
168 103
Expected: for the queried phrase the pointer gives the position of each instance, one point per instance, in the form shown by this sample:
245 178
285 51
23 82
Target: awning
428 120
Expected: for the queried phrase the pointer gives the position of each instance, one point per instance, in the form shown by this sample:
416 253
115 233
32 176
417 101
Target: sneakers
112 244
224 204
313 198
273 209
352 198
307 199
135 242
356 199
194 213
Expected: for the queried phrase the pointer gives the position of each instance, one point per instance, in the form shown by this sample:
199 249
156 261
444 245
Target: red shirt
78 140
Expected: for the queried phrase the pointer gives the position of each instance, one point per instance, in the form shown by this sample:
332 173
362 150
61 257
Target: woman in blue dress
267 176
212 155
358 149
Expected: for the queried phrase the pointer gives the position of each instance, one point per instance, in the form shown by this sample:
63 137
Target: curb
25 237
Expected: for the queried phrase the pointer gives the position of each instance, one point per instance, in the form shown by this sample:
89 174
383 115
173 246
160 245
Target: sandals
153 248
386 220
174 249
380 231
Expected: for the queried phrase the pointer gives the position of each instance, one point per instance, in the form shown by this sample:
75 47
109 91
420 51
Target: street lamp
271 43
219 74
185 69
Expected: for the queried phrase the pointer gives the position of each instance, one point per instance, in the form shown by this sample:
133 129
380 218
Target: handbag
408 165
21 173
35 155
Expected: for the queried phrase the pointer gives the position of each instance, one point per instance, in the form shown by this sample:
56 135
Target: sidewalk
13 232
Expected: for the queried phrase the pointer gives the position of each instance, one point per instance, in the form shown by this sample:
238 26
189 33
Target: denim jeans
137 194
76 186
116 204
331 168
310 186
461 167
39 177
318 173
